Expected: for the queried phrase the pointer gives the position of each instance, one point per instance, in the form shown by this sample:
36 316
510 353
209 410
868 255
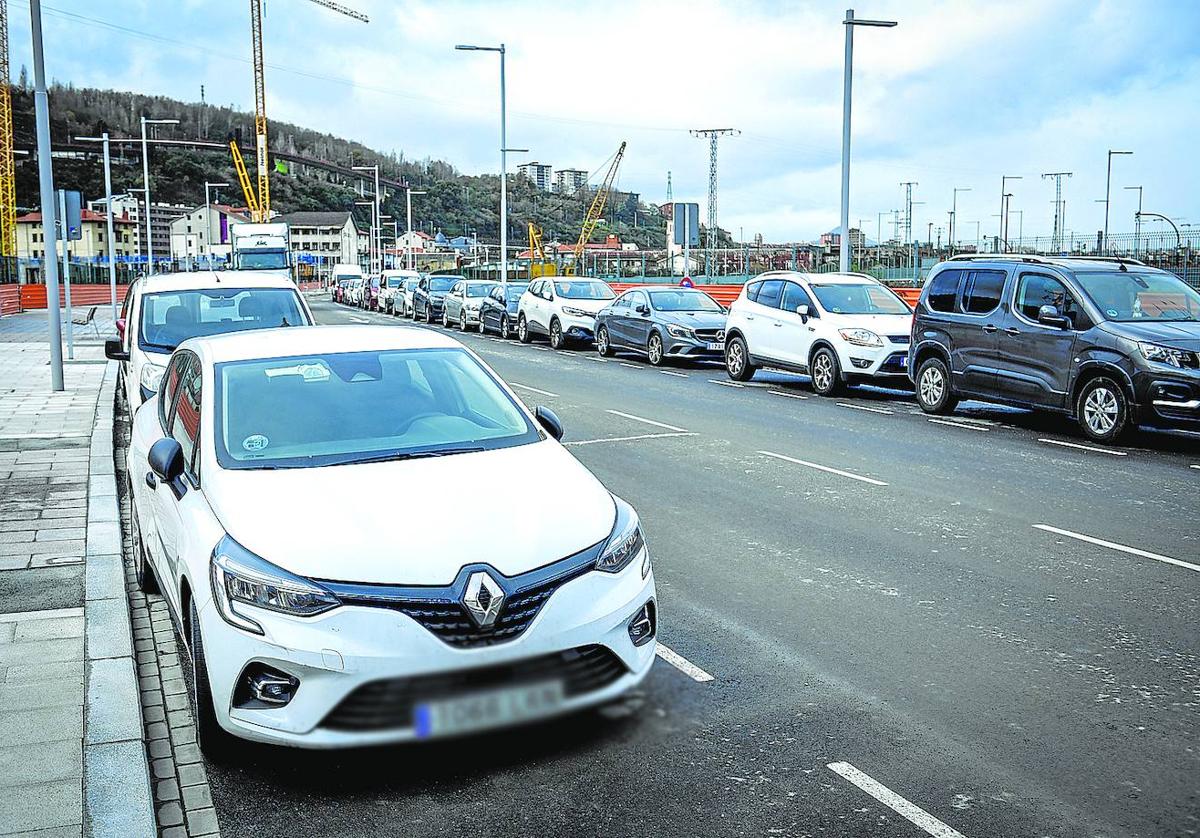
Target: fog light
644 624
861 363
646 565
262 686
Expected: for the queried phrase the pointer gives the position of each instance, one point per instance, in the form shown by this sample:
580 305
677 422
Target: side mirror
121 326
548 420
643 308
1049 316
114 351
802 310
166 459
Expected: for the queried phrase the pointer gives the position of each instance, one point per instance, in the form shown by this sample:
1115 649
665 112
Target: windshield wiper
411 455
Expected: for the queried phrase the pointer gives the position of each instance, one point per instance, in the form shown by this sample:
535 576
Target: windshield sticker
308 372
255 442
1112 312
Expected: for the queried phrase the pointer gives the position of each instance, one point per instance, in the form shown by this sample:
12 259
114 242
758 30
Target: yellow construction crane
595 211
539 263
8 174
260 203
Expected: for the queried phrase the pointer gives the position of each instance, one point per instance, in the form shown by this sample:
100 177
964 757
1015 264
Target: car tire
480 326
429 314
654 350
603 346
557 339
826 372
215 742
445 318
1102 410
523 333
146 581
505 329
737 360
934 391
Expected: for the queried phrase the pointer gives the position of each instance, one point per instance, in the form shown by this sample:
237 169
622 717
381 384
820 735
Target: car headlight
860 337
239 576
679 331
471 306
576 312
624 543
151 376
1167 355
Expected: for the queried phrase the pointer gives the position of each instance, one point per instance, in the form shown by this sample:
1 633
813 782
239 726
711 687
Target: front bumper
578 328
1168 399
334 654
692 347
887 362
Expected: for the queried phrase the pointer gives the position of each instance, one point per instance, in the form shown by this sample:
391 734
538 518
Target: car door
981 318
1035 359
638 319
610 319
762 320
421 297
794 332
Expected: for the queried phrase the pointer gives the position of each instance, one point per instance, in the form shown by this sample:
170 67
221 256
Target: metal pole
378 224
408 256
46 188
146 185
844 244
687 238
66 244
112 266
1107 187
503 177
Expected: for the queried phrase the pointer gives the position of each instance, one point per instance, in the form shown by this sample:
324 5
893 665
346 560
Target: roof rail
1043 260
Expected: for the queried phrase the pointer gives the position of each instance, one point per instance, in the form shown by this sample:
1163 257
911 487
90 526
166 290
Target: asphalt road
926 607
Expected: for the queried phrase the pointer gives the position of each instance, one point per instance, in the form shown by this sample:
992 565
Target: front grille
894 363
902 340
711 335
382 705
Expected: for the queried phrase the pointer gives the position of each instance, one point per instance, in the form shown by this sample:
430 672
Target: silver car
462 303
663 323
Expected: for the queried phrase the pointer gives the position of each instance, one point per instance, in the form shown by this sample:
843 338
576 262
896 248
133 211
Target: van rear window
943 290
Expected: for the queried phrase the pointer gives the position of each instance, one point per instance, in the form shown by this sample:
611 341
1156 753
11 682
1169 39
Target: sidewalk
72 755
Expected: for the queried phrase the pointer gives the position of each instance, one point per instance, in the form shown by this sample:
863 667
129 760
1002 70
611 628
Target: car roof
820 279
1071 263
307 340
199 280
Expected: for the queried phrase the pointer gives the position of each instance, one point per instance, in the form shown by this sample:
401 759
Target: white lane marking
818 467
682 664
786 395
629 438
632 366
1133 551
541 348
864 407
495 340
685 375
647 421
909 811
534 390
958 425
1193 466
725 383
1083 447
358 319
596 358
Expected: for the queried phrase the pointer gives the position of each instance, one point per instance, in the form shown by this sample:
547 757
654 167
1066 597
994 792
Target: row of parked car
1112 342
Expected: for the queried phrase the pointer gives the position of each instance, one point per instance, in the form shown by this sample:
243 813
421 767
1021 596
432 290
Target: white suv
563 309
837 328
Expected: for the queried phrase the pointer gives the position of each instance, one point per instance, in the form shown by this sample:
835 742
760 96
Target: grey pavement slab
119 803
62 760
41 588
108 632
42 806
113 707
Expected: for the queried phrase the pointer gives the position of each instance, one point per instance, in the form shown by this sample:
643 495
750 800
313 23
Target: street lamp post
108 199
1004 196
503 158
850 22
208 218
1107 196
408 254
954 214
46 189
370 235
1137 223
146 186
376 211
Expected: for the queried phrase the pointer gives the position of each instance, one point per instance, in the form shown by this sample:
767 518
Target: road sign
686 282
686 222
73 226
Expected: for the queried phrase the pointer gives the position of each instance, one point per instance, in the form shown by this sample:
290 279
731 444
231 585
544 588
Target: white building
161 218
569 180
540 173
325 239
202 235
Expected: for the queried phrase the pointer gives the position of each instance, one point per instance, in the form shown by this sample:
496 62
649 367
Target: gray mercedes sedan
663 323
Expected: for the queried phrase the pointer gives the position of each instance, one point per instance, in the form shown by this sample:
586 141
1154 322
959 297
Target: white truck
260 247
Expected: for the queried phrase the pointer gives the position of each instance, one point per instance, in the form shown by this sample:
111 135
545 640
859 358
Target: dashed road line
911 812
683 664
647 421
786 394
1084 447
534 390
1133 551
1193 466
358 319
631 366
672 372
958 425
828 469
864 407
541 348
725 383
630 438
596 358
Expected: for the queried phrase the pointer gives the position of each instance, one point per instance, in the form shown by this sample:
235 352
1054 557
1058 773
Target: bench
88 319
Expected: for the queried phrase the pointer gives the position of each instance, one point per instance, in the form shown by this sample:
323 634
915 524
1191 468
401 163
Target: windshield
1128 296
584 290
346 279
513 291
333 409
479 290
394 282
442 283
683 301
344 282
171 317
859 299
252 260
411 283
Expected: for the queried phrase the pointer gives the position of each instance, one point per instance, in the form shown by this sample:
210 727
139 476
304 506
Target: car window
682 299
943 290
1037 290
185 421
170 317
583 289
752 291
622 302
769 294
1130 296
166 391
795 296
982 292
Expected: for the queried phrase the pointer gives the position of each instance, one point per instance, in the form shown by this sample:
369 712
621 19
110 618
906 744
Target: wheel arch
1100 369
823 343
929 350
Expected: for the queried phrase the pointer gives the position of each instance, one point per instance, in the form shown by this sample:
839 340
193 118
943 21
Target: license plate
716 347
482 710
904 360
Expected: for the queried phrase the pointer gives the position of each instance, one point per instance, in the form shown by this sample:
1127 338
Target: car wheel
214 741
505 331
462 321
602 344
1102 410
737 360
654 350
429 314
445 319
826 373
146 582
523 334
934 393
556 334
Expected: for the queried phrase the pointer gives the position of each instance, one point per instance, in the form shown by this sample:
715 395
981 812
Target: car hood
416 522
590 306
693 319
1185 335
437 295
880 324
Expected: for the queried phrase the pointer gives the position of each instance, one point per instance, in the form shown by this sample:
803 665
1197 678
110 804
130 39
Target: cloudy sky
959 94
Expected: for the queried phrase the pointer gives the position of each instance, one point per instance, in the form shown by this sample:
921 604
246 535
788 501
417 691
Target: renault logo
483 598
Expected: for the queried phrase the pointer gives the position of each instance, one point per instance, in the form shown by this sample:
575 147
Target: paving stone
159 748
167 790
43 806
60 671
163 768
62 692
175 832
187 754
61 760
170 814
177 702
197 797
108 631
114 709
201 820
41 651
118 790
53 629
183 735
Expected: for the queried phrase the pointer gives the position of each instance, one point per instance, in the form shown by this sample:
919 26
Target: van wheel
556 334
654 350
933 387
737 360
1102 410
146 582
523 334
826 373
215 742
602 344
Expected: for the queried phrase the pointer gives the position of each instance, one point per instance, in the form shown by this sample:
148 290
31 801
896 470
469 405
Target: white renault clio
305 634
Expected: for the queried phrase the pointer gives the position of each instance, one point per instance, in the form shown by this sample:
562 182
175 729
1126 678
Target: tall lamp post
376 211
146 187
1107 196
108 199
1004 196
208 218
408 254
954 214
503 157
850 22
46 189
370 235
1137 223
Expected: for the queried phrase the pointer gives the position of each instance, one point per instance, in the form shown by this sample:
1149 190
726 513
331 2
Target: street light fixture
208 218
850 22
376 241
1107 196
146 187
503 157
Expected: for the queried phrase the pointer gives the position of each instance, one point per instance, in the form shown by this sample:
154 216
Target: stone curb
117 798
